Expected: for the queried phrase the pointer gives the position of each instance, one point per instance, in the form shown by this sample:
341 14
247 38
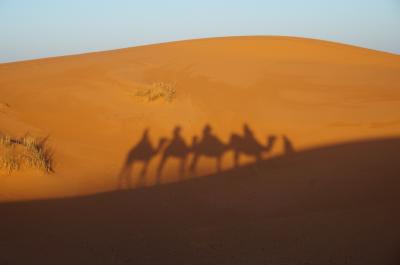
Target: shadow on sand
320 206
209 145
143 152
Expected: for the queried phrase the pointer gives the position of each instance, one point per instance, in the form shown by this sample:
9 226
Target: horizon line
94 51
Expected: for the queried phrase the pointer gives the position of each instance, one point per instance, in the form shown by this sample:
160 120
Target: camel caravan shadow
209 145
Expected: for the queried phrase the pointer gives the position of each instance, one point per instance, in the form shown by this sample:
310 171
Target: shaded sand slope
332 205
314 91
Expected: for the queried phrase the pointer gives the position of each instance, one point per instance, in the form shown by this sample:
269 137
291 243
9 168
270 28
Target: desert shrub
9 161
26 151
38 156
157 90
5 140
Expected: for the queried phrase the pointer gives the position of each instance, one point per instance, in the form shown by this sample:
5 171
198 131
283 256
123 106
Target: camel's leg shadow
125 177
161 167
182 166
142 176
193 165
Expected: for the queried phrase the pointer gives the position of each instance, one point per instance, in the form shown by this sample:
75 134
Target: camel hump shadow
142 150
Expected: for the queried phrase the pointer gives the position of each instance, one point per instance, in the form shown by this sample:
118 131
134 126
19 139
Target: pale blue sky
42 28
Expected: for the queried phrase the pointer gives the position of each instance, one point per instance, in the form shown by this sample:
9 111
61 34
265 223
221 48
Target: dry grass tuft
27 151
5 140
166 91
9 161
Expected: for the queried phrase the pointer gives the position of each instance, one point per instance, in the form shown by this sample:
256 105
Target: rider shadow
208 146
143 152
177 148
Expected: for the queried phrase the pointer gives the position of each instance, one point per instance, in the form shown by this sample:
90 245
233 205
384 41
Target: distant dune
95 107
331 205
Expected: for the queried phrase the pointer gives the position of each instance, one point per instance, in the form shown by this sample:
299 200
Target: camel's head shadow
162 142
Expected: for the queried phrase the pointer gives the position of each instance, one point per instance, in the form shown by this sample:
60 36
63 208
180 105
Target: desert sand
315 92
333 200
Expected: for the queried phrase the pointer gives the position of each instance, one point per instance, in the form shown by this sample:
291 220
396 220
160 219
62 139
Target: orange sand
315 92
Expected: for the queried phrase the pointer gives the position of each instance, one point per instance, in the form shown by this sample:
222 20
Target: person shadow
209 146
288 148
177 148
142 152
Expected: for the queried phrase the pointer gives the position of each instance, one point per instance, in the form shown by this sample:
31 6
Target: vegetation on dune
157 90
27 151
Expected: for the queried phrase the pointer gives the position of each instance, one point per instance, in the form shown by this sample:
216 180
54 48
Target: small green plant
158 90
26 151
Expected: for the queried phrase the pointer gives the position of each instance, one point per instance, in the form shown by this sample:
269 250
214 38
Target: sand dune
331 205
94 106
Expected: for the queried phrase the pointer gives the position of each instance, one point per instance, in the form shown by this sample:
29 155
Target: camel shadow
247 144
143 152
209 145
176 148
